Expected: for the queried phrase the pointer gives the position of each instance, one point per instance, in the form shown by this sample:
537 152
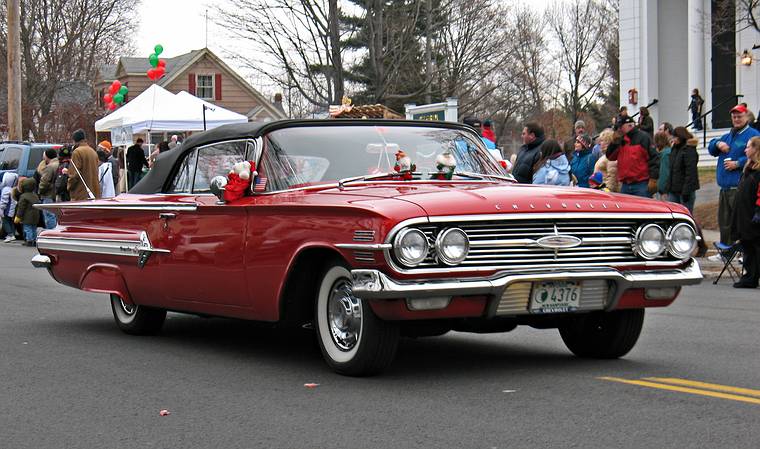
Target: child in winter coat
8 205
552 168
25 213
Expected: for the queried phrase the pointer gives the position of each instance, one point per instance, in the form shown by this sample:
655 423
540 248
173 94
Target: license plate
555 297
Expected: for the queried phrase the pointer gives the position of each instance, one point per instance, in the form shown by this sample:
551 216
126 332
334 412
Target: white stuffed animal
243 170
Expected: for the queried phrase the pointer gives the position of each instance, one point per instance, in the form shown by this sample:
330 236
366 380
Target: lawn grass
706 175
706 215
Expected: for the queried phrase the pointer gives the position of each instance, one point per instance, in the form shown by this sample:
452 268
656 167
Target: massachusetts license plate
555 297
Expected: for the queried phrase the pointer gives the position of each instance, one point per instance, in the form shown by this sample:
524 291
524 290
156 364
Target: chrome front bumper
372 284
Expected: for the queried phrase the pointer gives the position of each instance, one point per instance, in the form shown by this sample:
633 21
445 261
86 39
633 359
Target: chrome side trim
364 246
130 248
373 284
41 261
117 206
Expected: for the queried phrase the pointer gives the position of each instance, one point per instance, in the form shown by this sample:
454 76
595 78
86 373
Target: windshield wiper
478 175
394 174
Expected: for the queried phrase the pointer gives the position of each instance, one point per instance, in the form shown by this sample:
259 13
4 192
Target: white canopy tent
157 109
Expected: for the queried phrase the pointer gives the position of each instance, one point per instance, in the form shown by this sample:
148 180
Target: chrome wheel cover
126 308
344 315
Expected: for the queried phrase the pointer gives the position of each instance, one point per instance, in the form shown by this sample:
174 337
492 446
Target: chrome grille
512 243
364 236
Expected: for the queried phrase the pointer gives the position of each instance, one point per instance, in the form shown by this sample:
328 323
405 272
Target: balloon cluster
159 65
115 95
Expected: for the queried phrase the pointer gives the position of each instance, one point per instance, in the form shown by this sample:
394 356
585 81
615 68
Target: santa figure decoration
239 180
404 165
446 164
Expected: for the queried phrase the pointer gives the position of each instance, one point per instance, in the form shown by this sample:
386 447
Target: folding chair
728 253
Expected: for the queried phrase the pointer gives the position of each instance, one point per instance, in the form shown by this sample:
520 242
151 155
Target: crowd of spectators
73 172
631 157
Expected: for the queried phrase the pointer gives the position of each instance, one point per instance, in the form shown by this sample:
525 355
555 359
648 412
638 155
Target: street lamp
746 58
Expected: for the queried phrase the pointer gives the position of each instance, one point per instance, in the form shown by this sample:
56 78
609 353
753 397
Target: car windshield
302 156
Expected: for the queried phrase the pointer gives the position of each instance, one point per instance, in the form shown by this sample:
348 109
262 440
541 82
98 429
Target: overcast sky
180 26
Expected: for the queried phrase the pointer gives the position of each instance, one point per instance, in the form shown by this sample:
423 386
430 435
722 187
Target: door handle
166 216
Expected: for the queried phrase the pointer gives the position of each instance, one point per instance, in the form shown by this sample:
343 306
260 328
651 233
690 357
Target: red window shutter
218 86
191 83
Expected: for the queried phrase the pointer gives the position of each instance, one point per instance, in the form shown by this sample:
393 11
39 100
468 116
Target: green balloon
123 90
153 58
158 49
118 98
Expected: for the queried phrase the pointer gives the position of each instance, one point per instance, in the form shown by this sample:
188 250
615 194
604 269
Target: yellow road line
714 394
704 385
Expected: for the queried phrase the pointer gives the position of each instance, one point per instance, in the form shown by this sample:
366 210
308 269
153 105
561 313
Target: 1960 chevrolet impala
372 230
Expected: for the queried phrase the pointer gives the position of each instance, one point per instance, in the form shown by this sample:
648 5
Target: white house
669 47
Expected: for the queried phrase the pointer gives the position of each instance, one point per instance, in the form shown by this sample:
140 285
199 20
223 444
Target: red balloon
112 90
111 106
107 98
152 74
160 71
161 63
116 83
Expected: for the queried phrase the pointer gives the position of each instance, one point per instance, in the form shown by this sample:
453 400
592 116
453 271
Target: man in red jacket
638 161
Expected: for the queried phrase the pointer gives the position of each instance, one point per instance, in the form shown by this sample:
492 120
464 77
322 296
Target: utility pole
14 70
428 51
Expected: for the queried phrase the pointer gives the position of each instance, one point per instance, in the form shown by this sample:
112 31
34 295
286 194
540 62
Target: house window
204 87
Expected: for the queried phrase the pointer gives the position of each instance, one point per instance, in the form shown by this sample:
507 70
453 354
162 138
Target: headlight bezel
669 239
638 247
440 244
397 247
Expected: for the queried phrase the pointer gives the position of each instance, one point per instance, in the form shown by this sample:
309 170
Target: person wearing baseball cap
638 161
729 149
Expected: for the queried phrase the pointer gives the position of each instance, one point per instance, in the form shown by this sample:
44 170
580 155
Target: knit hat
585 140
596 179
580 124
64 152
105 144
78 135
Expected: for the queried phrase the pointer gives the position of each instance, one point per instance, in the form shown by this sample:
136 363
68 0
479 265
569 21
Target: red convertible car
370 231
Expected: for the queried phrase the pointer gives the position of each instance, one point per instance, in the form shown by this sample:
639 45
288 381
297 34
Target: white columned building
667 49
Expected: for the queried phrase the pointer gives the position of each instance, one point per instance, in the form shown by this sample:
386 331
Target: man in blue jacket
729 149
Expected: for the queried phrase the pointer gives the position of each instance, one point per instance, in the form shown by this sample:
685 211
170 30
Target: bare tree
579 30
529 66
469 43
63 43
295 42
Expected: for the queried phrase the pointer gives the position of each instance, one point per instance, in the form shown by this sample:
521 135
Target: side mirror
218 183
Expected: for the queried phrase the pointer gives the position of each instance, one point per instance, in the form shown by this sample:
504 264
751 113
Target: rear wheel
352 339
137 320
603 335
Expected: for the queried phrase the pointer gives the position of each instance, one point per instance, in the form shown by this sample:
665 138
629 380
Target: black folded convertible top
157 178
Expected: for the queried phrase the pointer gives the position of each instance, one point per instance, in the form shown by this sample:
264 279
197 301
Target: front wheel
137 320
603 335
352 339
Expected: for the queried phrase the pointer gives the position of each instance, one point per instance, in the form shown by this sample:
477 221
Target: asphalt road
70 378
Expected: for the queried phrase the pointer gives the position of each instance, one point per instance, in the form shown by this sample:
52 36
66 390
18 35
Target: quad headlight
452 246
650 241
681 240
410 247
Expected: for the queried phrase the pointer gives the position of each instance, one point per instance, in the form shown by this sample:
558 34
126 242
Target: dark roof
107 72
141 65
158 176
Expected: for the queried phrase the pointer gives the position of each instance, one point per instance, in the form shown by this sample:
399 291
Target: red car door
206 263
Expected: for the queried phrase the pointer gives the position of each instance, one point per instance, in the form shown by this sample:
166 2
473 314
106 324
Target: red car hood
471 199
